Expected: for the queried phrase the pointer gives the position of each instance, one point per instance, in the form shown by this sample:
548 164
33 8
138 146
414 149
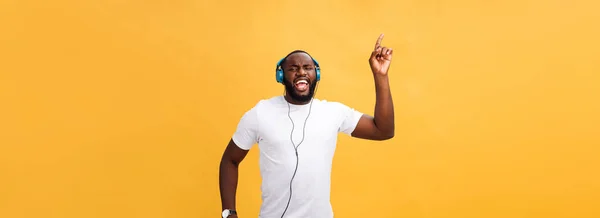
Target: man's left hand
380 59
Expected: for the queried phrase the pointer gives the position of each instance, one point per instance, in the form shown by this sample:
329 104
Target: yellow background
123 108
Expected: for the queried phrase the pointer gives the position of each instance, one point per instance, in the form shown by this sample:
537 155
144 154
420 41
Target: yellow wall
123 108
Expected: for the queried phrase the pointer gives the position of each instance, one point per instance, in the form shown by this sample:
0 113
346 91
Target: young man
297 136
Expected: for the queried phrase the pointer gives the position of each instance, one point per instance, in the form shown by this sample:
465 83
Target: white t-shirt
268 125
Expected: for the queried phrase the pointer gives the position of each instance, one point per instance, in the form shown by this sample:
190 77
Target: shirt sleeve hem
240 144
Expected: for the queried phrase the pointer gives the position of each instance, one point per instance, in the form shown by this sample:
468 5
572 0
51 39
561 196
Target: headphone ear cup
317 69
318 74
279 75
279 71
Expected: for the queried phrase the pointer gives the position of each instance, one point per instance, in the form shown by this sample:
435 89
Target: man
297 136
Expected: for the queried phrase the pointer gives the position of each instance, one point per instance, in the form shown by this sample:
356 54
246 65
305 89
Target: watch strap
230 212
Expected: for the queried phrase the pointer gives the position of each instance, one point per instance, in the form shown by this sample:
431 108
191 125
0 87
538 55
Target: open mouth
301 84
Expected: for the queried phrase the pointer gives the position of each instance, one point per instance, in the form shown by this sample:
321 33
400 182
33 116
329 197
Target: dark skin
300 66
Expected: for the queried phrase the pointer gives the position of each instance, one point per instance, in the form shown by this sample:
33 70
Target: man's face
300 76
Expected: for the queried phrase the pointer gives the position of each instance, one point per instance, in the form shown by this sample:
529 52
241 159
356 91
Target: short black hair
294 52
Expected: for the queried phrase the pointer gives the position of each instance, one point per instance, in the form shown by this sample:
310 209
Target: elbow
386 135
228 162
389 134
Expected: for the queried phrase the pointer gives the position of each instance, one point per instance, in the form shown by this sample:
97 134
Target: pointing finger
378 43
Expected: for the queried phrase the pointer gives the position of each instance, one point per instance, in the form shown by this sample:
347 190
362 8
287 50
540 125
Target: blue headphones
279 71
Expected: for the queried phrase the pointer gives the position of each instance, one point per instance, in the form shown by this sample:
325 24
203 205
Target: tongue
301 87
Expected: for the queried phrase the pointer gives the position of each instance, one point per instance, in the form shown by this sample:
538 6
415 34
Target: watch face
225 213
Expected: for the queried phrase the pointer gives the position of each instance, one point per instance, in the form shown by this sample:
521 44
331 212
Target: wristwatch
228 212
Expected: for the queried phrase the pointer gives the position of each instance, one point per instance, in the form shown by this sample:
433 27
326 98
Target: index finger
378 43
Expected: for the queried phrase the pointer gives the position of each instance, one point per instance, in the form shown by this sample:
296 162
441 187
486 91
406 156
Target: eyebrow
295 65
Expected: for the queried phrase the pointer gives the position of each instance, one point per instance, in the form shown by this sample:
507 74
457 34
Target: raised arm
381 125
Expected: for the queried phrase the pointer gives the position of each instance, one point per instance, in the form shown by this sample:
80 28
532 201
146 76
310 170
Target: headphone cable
296 147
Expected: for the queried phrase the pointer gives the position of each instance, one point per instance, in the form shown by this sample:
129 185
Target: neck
291 100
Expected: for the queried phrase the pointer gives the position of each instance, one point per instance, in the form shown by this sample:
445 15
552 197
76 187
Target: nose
301 72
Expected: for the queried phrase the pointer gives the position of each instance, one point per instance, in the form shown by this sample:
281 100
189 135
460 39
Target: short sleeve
350 118
246 134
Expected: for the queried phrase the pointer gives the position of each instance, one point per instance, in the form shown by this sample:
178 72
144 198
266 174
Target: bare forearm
384 106
228 179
